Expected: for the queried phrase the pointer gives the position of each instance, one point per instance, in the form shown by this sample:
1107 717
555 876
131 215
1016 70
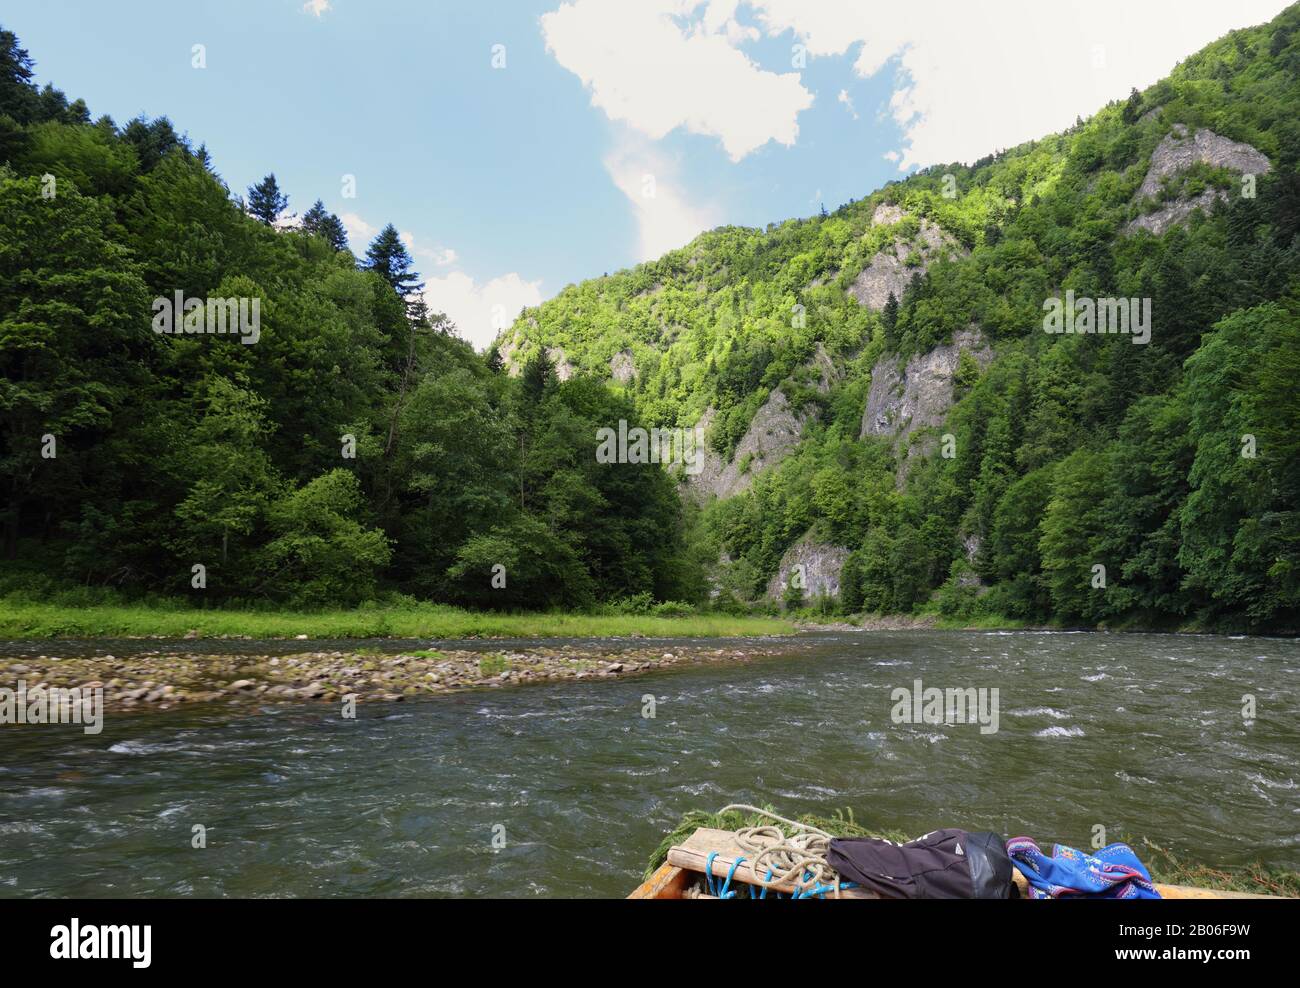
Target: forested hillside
952 455
357 447
884 410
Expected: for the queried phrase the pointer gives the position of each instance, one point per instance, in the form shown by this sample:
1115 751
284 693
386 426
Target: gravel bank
164 680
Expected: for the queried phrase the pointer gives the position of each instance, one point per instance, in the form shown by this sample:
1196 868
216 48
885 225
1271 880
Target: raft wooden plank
667 882
1169 891
694 852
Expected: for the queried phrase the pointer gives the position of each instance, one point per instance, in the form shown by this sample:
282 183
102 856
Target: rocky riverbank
164 680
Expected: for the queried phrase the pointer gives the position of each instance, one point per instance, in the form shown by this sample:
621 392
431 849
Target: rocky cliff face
773 433
508 348
904 399
891 269
825 369
1177 152
622 368
560 360
821 564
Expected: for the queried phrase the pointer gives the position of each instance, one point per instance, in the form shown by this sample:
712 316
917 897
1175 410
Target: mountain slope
1083 478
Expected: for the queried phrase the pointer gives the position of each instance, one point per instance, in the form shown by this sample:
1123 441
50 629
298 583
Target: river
565 789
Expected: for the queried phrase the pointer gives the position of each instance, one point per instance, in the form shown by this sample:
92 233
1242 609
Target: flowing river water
1141 734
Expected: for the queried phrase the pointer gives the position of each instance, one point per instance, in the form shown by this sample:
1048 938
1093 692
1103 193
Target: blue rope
723 890
797 893
724 894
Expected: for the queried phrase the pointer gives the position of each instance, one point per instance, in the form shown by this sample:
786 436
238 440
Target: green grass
1171 870
926 618
1165 867
492 665
981 622
25 619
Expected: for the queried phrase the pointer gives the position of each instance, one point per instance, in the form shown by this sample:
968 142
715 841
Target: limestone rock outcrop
903 399
1177 152
891 270
821 562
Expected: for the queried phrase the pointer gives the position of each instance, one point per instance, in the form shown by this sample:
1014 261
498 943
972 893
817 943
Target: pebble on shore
162 680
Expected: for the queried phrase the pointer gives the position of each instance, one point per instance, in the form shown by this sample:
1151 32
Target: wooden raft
686 862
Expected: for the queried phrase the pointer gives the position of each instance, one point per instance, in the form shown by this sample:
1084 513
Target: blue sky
513 180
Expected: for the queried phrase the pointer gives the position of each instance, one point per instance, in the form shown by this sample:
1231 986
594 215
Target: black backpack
945 864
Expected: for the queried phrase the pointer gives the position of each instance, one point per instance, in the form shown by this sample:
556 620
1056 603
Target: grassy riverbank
26 619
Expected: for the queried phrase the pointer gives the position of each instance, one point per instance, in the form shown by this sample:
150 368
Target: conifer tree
387 256
312 219
538 376
889 318
265 200
332 230
18 95
320 222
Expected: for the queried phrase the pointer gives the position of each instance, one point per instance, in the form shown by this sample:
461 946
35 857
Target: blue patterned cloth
1114 872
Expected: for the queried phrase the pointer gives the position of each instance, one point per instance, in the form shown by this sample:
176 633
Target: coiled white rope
785 858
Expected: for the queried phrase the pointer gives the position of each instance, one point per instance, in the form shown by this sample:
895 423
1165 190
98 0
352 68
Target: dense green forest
1070 450
360 449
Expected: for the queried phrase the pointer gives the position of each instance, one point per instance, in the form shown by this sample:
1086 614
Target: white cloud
480 311
441 256
970 78
665 218
720 18
316 7
360 233
976 78
645 69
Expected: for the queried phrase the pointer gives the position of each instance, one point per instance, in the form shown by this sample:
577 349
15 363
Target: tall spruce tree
18 95
889 319
320 222
265 200
387 256
312 219
537 377
332 230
